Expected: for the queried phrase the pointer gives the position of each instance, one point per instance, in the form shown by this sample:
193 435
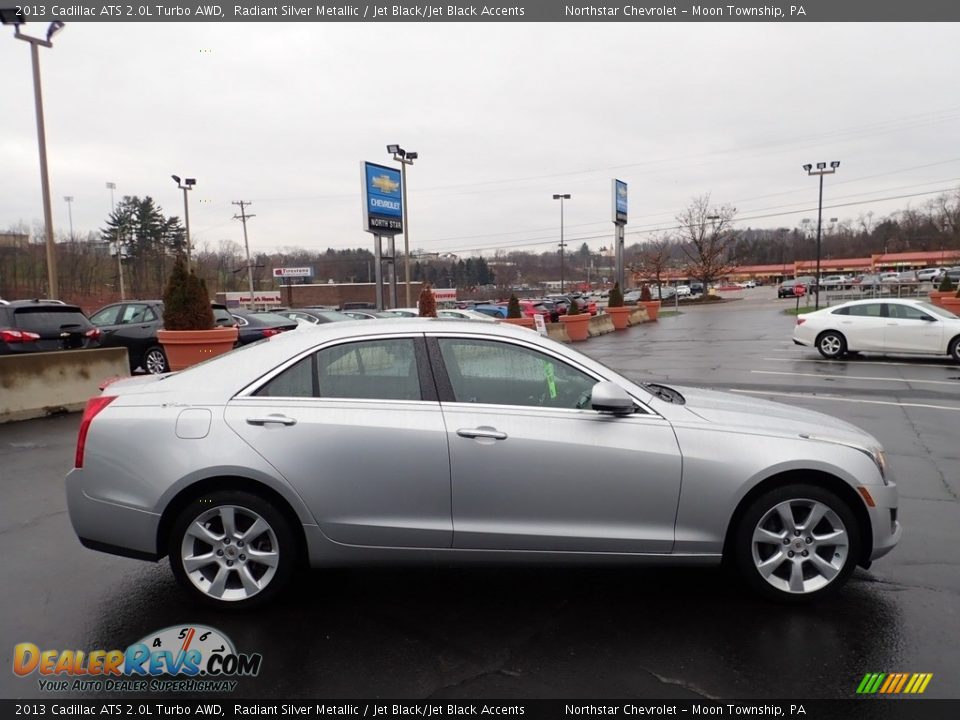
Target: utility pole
243 217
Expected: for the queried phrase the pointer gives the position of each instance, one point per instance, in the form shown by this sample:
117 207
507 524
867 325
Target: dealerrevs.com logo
180 658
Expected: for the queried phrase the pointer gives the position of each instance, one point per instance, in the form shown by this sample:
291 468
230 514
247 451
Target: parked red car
529 309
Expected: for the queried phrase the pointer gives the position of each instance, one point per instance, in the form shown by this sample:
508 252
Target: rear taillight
18 336
93 333
270 332
801 321
94 406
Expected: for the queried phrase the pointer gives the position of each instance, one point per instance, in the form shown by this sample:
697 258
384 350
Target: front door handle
482 432
269 419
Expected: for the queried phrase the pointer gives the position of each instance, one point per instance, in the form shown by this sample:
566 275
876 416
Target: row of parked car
870 281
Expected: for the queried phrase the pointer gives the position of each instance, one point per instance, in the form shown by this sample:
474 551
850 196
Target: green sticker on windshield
551 379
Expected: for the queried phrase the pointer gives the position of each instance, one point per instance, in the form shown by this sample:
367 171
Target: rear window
46 320
272 318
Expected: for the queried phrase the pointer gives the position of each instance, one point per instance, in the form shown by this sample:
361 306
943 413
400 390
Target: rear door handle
482 432
270 419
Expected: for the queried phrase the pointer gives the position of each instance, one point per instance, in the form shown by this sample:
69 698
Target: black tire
274 542
155 361
831 344
762 514
955 349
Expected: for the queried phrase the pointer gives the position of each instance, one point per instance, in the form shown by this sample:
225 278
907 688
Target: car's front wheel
955 349
797 543
832 345
232 549
155 361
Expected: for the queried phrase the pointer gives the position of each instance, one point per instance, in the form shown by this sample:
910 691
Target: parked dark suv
44 325
133 324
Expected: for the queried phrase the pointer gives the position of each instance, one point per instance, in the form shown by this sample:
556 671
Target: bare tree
706 237
653 260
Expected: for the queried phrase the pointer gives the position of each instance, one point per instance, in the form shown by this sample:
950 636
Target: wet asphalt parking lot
448 632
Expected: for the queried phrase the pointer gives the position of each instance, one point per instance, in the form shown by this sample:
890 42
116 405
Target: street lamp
404 158
561 198
821 171
69 201
10 17
187 184
111 187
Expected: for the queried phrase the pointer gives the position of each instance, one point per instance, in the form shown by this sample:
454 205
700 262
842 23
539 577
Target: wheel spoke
834 537
816 515
828 570
767 537
785 511
269 558
202 533
219 584
229 522
767 567
796 577
249 583
195 562
259 527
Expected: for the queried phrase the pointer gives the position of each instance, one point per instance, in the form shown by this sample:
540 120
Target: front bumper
885 520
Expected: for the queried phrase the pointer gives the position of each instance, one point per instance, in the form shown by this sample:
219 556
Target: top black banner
491 11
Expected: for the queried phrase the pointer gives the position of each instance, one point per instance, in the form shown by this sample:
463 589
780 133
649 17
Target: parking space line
872 362
837 398
954 383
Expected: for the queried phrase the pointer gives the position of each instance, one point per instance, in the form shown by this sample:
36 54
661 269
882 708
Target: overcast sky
503 116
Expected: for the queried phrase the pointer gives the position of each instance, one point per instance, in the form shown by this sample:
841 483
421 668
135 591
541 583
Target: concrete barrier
38 384
638 316
600 325
558 331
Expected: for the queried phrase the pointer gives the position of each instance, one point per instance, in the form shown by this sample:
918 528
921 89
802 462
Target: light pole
69 200
561 198
187 184
821 171
8 16
404 158
111 187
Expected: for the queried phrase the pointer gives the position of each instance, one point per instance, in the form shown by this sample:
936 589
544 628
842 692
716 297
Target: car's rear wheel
232 549
797 543
155 361
955 349
831 345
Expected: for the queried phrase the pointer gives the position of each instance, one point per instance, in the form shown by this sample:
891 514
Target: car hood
764 417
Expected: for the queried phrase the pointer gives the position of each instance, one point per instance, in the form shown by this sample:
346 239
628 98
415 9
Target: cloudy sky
503 116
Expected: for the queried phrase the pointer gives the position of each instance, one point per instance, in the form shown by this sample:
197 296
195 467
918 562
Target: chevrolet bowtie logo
384 184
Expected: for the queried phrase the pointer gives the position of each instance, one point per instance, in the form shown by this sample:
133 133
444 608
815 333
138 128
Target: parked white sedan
887 326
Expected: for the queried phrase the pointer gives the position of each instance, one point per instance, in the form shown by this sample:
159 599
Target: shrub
616 297
574 308
645 295
946 284
513 307
427 303
186 305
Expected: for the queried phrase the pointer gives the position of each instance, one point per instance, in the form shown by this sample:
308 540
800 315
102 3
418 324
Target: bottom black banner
879 709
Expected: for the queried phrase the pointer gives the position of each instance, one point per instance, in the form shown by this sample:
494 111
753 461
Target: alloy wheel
155 362
230 553
800 545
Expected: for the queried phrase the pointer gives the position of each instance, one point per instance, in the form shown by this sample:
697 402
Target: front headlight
880 458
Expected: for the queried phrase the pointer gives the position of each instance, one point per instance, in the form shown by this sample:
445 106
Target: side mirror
611 398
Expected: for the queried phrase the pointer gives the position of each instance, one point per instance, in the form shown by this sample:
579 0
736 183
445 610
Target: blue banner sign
382 200
619 202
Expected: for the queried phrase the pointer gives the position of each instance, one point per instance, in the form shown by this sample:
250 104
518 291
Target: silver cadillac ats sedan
406 441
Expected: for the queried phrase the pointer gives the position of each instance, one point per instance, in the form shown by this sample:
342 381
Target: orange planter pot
950 303
653 308
937 297
620 316
578 326
522 322
189 347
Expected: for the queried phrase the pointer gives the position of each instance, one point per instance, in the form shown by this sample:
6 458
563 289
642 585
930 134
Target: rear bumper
109 527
